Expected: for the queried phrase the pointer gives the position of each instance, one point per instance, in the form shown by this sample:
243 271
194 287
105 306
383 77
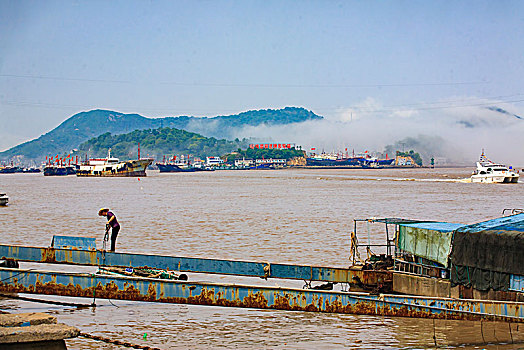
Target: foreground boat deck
91 285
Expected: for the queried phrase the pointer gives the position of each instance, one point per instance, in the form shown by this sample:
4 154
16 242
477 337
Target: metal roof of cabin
508 223
435 226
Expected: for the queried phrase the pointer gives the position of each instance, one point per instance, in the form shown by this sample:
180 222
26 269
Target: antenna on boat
139 151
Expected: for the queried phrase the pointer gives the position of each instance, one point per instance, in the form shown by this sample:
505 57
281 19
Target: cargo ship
174 168
182 165
176 165
338 160
113 167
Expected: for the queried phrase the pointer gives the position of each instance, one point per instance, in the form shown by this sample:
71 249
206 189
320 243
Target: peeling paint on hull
358 279
231 295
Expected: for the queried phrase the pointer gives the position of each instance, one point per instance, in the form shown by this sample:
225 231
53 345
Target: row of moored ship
487 171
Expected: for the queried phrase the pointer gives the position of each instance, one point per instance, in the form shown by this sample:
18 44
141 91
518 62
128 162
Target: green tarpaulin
429 240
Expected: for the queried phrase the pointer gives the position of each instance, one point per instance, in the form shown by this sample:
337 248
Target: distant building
271 161
214 161
244 162
404 161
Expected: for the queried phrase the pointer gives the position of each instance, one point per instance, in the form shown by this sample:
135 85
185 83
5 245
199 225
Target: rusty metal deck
235 295
352 276
232 295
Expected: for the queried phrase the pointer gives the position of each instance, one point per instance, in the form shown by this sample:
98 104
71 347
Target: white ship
111 166
4 199
491 172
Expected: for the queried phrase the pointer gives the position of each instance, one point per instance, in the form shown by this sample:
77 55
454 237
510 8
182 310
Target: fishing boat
113 167
9 169
55 170
174 168
181 165
175 165
333 159
491 172
57 166
4 199
344 160
30 170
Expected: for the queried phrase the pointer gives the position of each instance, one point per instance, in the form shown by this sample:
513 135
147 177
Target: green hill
86 125
158 142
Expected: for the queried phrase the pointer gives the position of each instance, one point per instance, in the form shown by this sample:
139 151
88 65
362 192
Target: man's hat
102 210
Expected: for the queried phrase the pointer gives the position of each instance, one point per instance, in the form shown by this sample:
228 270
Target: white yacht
491 172
4 199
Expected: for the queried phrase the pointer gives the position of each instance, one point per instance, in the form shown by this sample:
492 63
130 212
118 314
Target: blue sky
208 58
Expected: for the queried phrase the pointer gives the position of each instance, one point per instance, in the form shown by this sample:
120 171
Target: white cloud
404 114
360 110
465 130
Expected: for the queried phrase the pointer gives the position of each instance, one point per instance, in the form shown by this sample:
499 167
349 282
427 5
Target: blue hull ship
334 162
173 168
55 171
355 162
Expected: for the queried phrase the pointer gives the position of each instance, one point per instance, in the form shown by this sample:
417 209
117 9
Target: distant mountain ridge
86 125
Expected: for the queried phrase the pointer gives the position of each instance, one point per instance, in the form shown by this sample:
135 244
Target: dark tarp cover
479 278
484 255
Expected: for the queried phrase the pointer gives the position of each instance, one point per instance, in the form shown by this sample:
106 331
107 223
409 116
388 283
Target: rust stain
257 300
282 300
151 291
48 255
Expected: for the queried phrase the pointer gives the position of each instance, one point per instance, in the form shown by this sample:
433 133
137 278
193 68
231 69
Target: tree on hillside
157 143
415 156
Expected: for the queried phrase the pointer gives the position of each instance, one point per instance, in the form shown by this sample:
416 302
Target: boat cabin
482 261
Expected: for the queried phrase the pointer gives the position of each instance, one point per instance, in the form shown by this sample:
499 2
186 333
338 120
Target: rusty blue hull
232 295
221 294
188 264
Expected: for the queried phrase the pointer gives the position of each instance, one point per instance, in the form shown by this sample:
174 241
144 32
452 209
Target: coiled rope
62 303
117 342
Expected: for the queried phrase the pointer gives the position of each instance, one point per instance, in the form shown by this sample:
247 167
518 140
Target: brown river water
299 216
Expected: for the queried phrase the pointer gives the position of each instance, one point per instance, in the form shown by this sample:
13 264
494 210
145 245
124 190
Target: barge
483 261
424 269
340 161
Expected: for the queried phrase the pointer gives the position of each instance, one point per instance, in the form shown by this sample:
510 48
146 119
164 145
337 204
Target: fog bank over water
453 133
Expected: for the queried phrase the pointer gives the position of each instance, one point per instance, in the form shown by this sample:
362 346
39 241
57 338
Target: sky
378 71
